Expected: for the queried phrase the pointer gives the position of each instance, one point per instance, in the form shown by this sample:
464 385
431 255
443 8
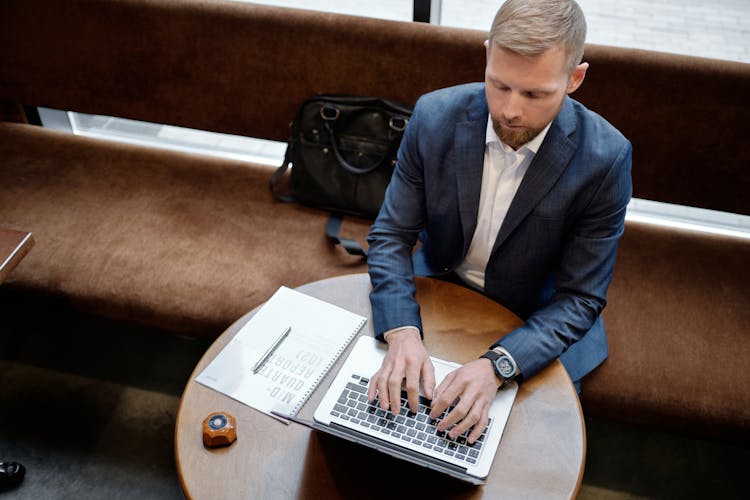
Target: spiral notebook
272 372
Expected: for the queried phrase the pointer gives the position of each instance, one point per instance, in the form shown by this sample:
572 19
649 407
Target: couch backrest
243 69
688 119
220 65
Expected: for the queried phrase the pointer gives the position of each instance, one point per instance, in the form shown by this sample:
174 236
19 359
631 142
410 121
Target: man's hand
472 387
406 359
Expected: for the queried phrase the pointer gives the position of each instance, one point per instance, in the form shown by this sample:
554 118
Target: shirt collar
533 145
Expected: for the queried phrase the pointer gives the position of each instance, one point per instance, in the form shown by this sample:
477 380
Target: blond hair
531 27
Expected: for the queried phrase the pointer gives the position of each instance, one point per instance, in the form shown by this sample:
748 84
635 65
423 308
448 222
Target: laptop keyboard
409 427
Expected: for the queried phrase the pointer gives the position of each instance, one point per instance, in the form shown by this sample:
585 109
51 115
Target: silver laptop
345 412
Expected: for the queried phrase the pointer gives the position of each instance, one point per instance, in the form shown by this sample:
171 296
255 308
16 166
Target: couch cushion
178 241
678 324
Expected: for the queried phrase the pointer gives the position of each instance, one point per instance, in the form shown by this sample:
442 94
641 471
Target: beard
516 137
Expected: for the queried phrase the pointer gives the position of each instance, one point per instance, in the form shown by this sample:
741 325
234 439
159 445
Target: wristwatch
503 364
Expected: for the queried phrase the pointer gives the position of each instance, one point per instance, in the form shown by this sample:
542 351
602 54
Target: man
516 190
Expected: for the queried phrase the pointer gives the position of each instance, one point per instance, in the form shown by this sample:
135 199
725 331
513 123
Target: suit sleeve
582 276
393 236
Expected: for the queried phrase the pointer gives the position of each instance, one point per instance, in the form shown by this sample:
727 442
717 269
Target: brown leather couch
188 243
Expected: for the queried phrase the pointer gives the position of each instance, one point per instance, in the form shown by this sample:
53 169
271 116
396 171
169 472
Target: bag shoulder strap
333 228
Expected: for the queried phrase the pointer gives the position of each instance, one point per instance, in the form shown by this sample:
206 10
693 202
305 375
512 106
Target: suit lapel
546 167
468 162
469 147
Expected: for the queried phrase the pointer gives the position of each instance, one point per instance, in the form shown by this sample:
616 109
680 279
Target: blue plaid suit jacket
555 252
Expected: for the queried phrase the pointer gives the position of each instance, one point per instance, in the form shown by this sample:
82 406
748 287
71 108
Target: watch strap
496 353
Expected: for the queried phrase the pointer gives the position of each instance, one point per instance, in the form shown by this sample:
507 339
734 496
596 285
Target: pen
277 342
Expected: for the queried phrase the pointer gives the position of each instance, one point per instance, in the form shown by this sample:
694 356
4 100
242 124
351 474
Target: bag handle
277 176
331 113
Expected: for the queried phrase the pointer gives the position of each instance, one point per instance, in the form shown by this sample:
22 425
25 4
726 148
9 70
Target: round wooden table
541 455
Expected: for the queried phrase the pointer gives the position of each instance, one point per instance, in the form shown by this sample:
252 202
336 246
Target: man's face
526 93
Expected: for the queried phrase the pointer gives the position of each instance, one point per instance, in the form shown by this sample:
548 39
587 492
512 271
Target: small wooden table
541 455
14 245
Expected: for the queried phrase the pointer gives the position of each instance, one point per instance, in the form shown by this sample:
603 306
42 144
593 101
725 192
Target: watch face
505 366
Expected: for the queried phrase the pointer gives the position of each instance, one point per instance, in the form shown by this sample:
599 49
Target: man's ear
576 79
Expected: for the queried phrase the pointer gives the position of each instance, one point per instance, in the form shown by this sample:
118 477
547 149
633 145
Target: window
717 29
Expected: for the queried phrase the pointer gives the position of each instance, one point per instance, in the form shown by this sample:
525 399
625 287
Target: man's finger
455 416
412 386
384 400
447 397
395 380
372 387
466 422
478 427
440 396
428 378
